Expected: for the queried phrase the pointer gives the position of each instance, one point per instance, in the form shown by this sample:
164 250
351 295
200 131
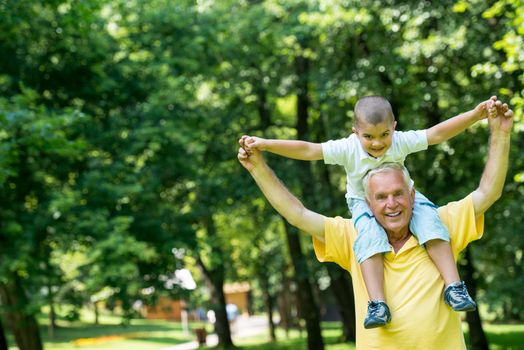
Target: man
421 319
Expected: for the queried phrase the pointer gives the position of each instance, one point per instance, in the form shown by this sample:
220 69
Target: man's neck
397 240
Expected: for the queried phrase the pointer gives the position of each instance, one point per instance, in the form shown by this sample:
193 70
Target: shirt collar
411 243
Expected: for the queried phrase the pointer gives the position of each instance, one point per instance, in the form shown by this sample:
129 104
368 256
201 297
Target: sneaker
456 295
378 314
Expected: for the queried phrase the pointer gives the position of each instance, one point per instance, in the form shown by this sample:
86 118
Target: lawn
140 334
158 335
331 333
500 336
505 337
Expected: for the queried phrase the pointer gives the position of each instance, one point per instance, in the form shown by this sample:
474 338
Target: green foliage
39 154
119 124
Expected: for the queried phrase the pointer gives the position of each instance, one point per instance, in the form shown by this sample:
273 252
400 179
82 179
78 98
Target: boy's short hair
383 168
373 110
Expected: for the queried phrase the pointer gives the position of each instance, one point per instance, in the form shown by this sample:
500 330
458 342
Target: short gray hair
385 167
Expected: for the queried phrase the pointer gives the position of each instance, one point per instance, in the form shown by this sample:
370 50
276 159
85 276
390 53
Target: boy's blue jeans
371 239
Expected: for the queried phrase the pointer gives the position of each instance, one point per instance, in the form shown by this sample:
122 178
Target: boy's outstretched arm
284 202
295 149
452 127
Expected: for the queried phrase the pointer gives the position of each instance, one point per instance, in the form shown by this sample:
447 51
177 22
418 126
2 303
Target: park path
244 327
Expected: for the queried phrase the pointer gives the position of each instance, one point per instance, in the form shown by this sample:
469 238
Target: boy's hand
486 109
250 143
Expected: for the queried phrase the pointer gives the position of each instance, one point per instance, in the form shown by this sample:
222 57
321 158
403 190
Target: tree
38 153
166 88
3 338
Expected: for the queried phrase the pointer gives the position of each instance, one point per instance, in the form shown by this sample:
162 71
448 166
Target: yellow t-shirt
412 283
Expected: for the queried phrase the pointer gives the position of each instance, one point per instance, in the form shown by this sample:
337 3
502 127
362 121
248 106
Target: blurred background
126 220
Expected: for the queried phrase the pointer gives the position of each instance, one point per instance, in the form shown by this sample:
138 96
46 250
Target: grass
505 336
140 334
500 337
157 335
331 332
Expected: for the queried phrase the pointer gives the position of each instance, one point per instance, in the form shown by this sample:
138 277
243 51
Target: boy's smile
375 138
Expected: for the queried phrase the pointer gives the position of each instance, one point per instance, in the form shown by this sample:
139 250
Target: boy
373 142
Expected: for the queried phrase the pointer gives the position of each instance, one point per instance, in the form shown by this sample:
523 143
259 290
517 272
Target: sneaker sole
467 309
374 326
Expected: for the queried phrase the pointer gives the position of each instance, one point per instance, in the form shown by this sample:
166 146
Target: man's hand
251 143
251 159
277 194
500 118
485 109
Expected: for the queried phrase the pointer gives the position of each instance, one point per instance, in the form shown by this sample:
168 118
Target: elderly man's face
391 201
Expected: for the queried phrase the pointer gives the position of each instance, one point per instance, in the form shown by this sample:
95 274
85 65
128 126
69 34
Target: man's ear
354 130
412 194
394 124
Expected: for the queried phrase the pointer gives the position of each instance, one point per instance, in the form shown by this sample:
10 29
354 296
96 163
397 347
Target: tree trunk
261 271
215 277
52 313
97 313
22 324
477 337
222 324
306 302
268 302
302 67
284 303
341 283
342 288
3 337
263 108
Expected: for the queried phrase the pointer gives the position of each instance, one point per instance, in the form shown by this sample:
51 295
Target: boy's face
375 138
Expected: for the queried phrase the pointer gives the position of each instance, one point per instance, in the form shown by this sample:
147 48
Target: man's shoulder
463 224
339 224
339 236
456 206
338 220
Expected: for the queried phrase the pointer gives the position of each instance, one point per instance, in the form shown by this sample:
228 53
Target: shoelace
457 291
374 308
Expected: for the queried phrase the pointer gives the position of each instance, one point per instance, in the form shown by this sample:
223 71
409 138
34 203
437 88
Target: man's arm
295 149
452 127
494 175
284 202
